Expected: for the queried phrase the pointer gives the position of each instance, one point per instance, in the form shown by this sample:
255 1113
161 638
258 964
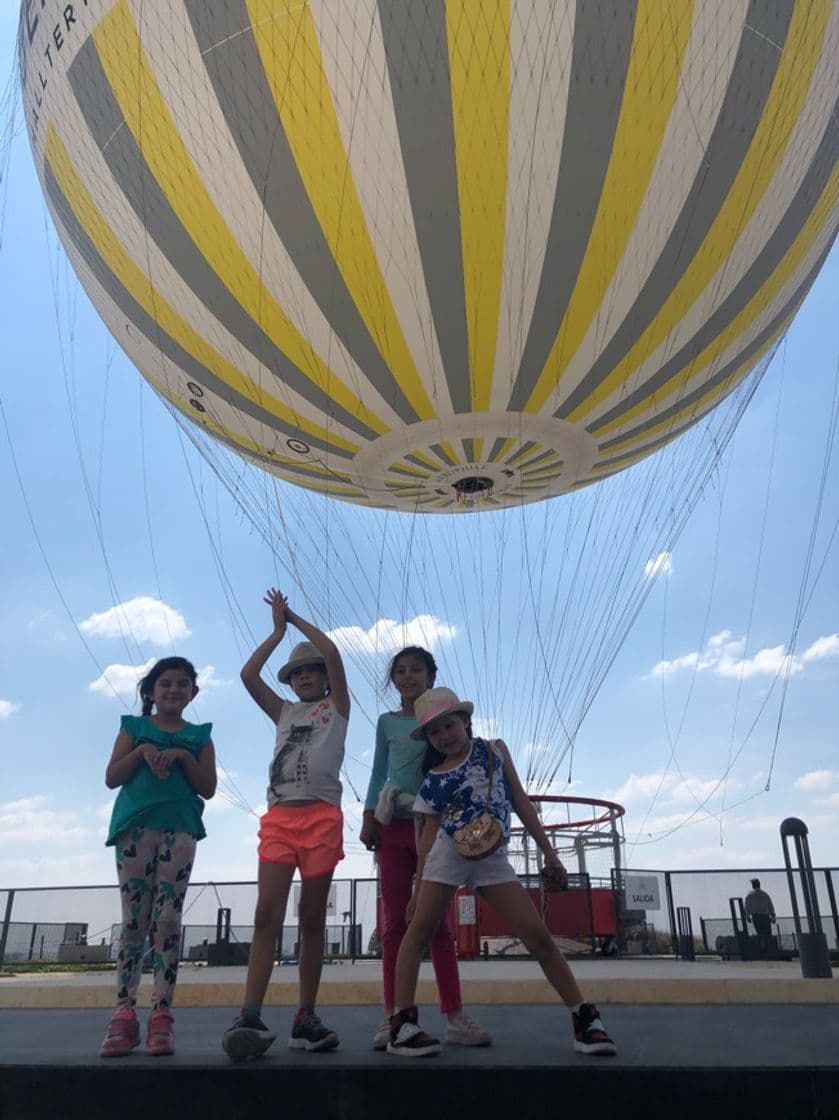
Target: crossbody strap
490 762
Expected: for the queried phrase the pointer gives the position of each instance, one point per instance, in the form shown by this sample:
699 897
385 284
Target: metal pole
353 890
671 913
7 921
834 913
796 916
812 945
616 848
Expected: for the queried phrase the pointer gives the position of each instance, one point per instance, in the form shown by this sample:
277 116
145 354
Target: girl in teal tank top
163 767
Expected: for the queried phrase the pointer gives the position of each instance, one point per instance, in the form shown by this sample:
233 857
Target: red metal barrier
568 914
466 924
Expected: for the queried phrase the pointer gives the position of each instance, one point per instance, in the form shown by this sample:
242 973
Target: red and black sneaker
407 1038
589 1035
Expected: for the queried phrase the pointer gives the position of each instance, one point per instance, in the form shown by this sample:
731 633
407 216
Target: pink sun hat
436 702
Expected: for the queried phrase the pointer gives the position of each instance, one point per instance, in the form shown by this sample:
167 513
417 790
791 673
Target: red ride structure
587 834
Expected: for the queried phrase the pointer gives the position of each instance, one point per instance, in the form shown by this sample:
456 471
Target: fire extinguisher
467 933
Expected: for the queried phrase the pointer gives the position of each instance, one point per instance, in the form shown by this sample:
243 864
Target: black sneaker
247 1038
589 1035
406 1037
309 1033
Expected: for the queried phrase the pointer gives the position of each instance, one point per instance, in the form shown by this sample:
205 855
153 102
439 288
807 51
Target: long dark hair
433 758
146 685
413 651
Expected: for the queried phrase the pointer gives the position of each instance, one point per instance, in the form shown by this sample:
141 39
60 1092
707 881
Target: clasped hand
160 762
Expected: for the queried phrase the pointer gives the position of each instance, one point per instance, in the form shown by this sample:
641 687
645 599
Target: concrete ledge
482 982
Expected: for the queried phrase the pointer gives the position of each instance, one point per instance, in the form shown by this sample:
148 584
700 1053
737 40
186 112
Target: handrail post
812 945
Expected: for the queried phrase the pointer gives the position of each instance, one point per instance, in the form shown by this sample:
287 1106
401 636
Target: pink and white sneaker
122 1035
161 1037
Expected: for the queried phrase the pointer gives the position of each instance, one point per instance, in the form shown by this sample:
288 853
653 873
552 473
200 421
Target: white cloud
638 786
7 708
122 680
387 636
207 678
669 668
758 824
221 803
146 619
699 789
828 646
816 779
833 799
723 657
670 789
765 663
30 822
486 727
661 565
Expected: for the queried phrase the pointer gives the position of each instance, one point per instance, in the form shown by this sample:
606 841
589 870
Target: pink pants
397 864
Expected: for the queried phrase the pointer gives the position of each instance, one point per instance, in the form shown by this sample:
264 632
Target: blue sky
140 549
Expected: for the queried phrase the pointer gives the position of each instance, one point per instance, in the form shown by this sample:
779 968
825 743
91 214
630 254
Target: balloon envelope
418 254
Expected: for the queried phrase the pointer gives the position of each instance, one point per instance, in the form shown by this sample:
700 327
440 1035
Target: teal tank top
168 803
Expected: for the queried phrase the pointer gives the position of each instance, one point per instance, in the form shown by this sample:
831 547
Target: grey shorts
444 865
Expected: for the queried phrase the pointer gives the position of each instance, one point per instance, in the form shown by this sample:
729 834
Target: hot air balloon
444 255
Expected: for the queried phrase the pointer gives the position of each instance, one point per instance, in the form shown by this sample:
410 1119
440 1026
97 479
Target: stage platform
682 1061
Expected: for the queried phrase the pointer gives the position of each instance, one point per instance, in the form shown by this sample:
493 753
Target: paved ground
652 1036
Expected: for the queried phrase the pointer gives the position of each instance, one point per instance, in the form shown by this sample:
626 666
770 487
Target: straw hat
436 702
304 653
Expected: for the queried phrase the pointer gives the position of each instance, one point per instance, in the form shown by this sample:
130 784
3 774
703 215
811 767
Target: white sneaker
382 1036
464 1031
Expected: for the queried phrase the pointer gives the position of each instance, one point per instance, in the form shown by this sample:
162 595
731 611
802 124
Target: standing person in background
163 767
759 910
388 829
303 826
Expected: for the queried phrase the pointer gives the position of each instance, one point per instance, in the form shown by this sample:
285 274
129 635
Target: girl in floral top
466 777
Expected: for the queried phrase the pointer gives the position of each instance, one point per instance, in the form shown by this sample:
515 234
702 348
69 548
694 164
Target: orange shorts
308 836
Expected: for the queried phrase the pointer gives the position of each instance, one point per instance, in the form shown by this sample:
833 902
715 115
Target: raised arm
251 674
338 688
524 808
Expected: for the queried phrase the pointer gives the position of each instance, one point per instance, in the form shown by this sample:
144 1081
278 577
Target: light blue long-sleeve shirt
398 759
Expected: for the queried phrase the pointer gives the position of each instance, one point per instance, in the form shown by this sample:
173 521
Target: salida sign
642 892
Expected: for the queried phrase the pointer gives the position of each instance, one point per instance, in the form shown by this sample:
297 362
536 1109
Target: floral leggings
153 869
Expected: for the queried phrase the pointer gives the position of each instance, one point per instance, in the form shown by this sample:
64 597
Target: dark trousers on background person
762 924
763 931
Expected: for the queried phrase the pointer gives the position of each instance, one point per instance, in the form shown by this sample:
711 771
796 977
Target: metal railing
640 911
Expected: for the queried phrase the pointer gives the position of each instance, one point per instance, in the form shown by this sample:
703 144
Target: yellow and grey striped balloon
408 252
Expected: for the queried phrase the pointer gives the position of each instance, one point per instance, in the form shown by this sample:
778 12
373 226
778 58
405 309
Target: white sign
467 911
642 892
331 901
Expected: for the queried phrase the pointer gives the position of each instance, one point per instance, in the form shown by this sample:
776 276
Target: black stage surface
673 1061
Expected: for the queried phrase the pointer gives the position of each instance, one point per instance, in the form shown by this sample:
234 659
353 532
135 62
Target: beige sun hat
436 702
304 653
